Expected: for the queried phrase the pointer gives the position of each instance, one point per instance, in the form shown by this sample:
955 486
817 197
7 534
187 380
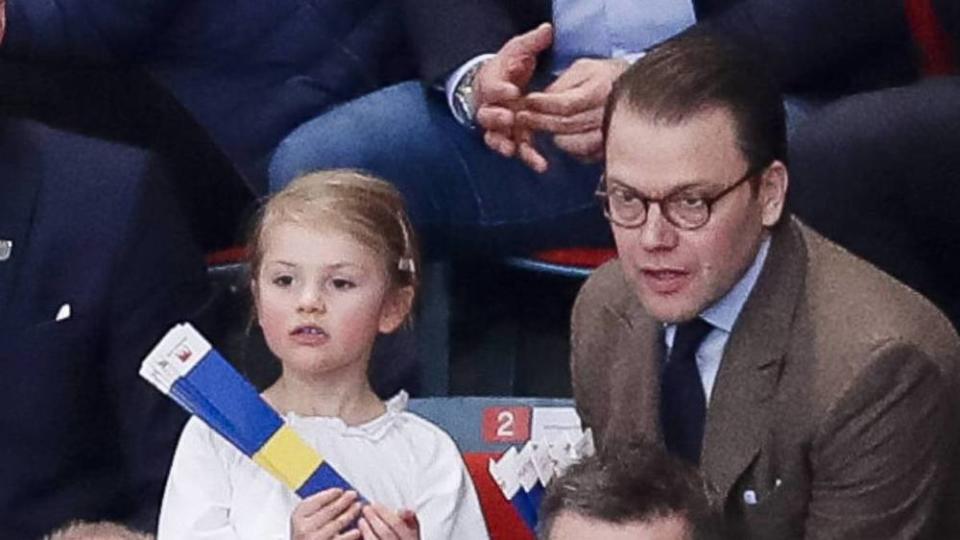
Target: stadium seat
484 428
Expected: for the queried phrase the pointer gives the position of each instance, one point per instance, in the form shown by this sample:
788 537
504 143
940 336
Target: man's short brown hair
696 71
633 483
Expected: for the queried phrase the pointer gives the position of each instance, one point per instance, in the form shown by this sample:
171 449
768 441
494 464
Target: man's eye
626 196
342 284
283 281
690 201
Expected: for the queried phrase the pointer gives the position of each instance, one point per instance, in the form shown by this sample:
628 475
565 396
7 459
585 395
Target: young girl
333 263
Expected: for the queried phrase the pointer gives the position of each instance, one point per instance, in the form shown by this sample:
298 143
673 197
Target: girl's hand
379 523
323 515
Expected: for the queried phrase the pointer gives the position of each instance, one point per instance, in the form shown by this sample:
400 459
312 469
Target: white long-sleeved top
399 460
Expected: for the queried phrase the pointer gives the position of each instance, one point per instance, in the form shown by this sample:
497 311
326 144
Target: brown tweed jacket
834 411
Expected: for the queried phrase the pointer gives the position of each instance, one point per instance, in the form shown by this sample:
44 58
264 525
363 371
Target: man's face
572 526
677 273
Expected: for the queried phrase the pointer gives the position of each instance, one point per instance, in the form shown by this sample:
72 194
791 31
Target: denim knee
364 134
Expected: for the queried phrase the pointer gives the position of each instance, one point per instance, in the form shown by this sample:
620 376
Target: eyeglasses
625 207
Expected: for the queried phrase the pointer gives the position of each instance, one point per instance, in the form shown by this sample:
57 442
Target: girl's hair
356 203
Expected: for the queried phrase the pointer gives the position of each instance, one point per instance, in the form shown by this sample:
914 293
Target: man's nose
657 233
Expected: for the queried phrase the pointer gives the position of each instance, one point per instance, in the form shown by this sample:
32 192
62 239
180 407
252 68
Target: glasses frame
604 196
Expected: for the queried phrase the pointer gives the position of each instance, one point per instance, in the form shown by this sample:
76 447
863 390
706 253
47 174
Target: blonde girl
333 264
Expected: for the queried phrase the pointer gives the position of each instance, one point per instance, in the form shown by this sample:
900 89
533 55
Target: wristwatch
464 96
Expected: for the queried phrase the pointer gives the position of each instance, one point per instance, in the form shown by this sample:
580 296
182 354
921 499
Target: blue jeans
461 195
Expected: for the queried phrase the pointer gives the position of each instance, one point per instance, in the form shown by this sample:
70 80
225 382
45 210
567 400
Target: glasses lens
687 212
626 208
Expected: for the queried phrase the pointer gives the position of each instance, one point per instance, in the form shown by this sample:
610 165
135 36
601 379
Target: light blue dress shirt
722 315
614 28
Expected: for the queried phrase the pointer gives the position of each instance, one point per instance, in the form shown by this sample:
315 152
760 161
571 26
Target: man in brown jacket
817 394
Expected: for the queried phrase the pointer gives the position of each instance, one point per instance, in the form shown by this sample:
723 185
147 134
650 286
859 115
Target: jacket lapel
635 373
739 413
18 194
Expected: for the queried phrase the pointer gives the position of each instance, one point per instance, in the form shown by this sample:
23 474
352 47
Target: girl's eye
342 284
283 281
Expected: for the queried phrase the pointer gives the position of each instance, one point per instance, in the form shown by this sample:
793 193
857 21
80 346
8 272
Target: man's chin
671 310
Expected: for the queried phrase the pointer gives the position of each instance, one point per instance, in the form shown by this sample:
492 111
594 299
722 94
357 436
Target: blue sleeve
102 31
158 279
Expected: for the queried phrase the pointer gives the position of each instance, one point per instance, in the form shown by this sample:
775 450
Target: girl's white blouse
399 460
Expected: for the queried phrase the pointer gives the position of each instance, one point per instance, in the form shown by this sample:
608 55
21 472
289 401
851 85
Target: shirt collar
723 313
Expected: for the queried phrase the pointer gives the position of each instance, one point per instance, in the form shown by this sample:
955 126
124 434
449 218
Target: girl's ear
396 308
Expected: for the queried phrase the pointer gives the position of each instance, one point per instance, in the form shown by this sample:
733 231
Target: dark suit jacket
835 402
93 227
249 71
815 46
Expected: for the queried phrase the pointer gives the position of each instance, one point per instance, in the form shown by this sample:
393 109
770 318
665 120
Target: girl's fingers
315 502
334 526
326 517
365 530
380 523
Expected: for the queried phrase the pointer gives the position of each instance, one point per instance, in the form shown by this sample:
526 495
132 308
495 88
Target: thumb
531 43
520 67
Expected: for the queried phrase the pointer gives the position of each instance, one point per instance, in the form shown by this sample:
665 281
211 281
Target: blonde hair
102 530
356 203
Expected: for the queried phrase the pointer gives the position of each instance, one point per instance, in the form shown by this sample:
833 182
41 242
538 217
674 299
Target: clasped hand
570 109
324 515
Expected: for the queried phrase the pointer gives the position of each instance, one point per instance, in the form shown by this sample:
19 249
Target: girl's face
322 297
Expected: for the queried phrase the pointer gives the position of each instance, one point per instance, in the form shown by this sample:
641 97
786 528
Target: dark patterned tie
683 405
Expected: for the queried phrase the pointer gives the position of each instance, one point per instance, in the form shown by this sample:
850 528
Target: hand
323 515
571 108
3 19
379 523
499 85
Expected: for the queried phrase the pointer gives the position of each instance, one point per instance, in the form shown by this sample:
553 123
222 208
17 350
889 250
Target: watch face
464 102
465 99
462 109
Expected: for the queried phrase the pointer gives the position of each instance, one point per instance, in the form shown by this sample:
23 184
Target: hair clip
406 265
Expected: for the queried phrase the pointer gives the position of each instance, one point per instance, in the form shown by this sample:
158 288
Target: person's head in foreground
102 530
629 492
695 143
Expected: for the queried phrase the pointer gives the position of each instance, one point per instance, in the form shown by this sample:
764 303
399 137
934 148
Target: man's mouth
665 280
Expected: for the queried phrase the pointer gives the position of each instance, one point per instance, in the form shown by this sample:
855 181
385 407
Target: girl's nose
311 300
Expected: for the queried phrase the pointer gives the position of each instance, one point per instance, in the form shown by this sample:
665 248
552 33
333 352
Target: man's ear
773 192
396 308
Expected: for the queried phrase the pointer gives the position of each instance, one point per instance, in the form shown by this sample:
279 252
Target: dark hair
697 71
633 483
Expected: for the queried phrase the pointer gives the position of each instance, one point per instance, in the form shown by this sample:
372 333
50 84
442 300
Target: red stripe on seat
580 257
231 255
503 522
934 43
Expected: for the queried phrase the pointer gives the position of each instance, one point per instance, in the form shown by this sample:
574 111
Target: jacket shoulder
853 312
